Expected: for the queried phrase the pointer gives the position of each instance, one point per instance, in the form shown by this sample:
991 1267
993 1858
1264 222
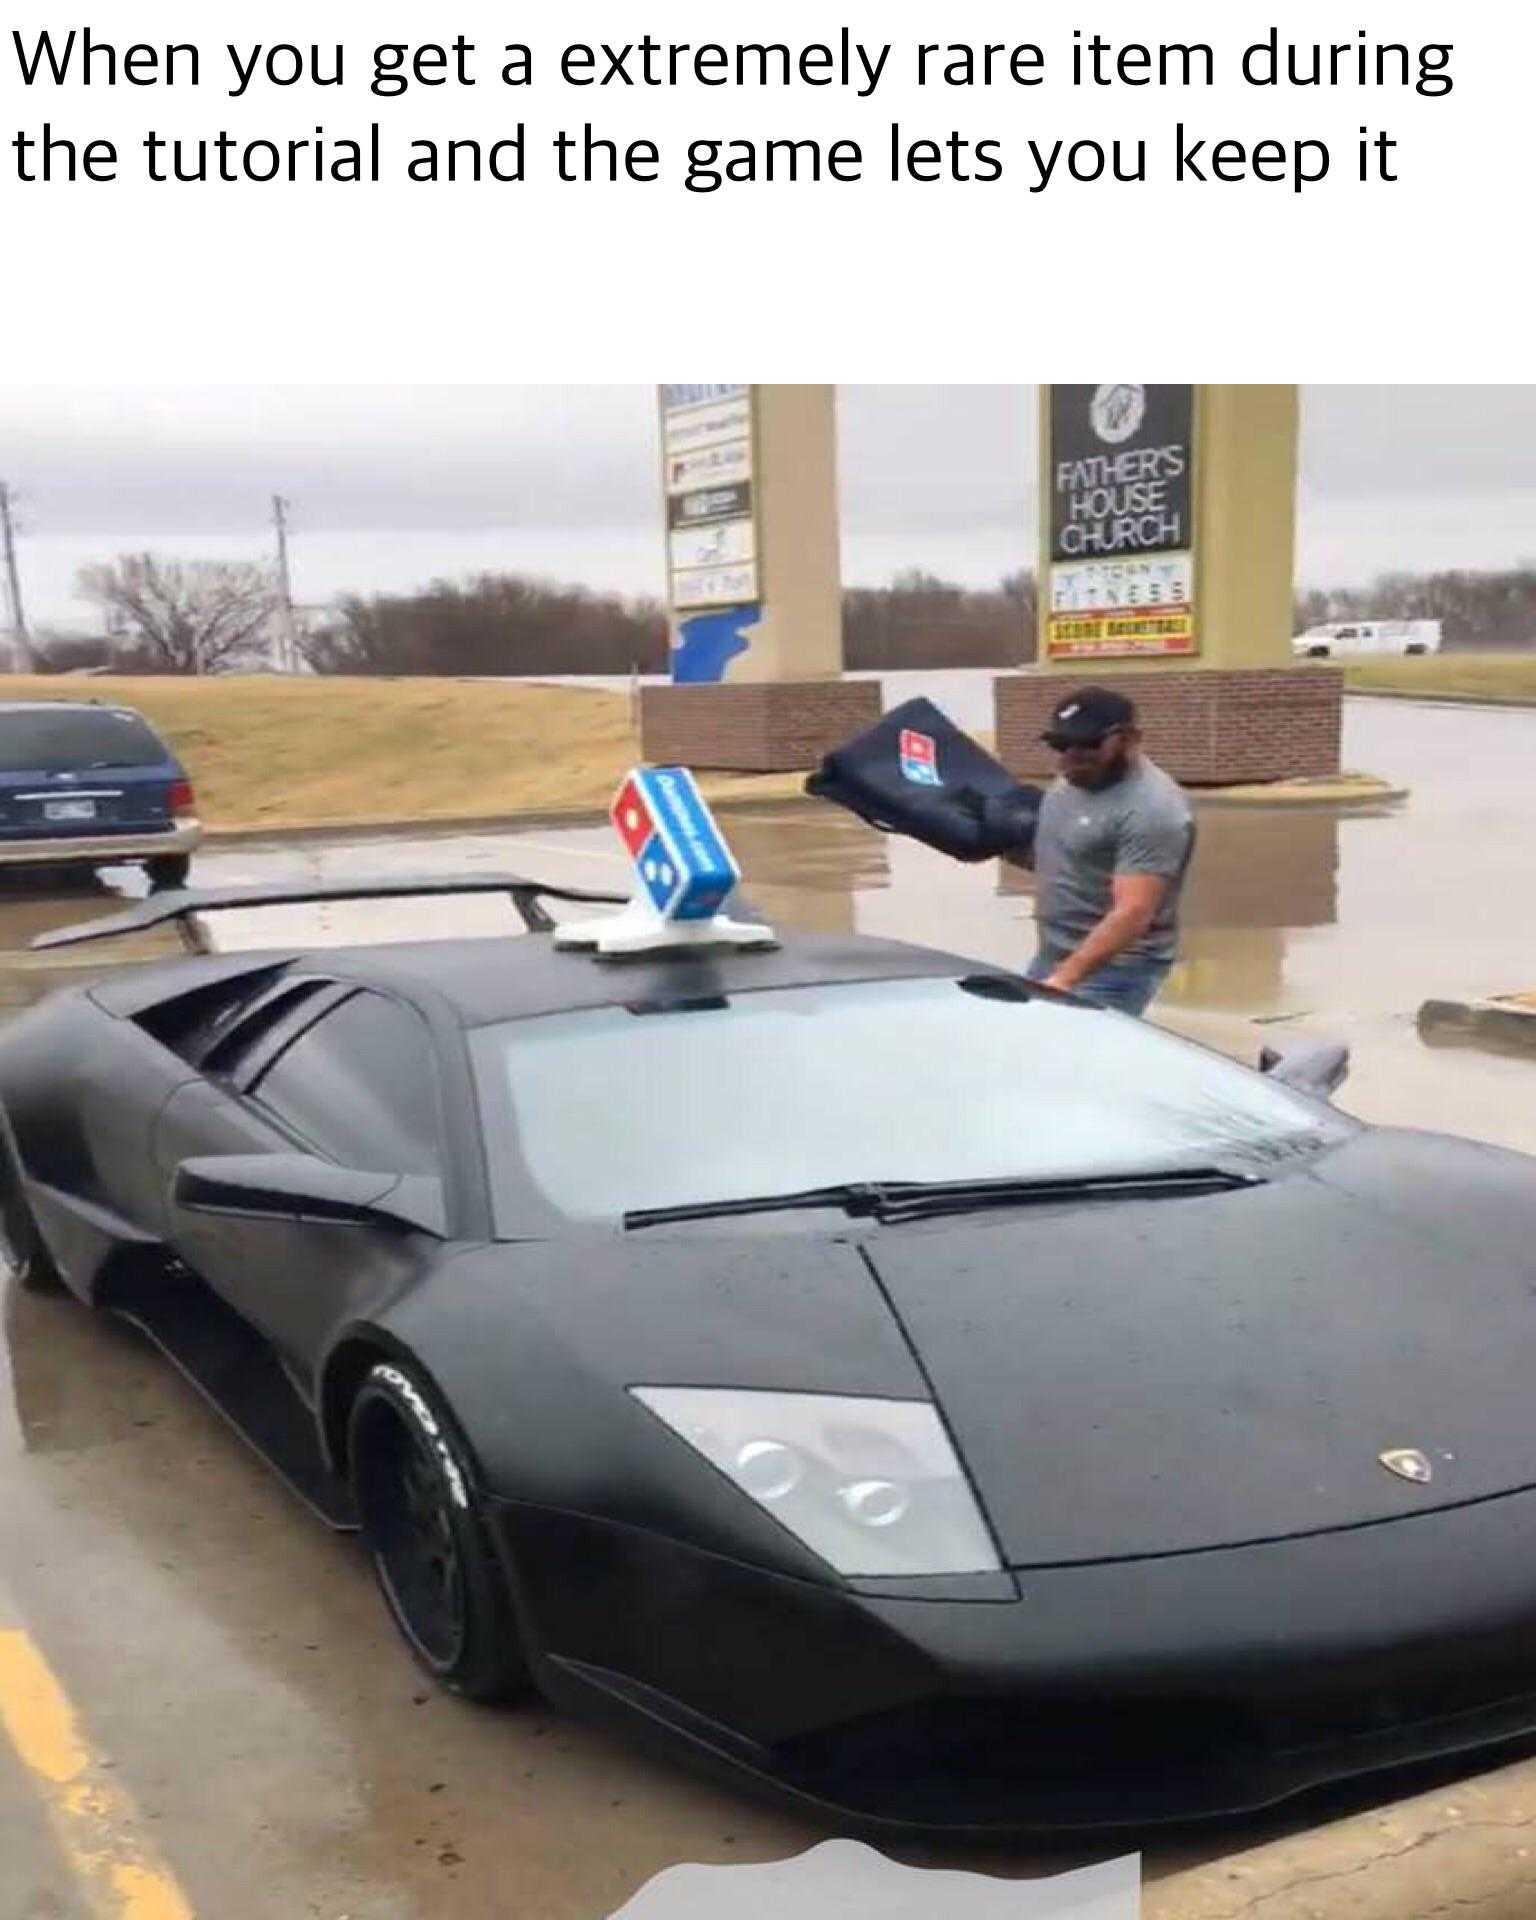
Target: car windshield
615 1111
70 740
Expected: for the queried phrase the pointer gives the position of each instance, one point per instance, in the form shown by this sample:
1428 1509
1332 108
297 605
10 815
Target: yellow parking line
96 1822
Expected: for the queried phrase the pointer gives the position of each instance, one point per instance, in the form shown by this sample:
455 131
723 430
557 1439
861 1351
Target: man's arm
1135 899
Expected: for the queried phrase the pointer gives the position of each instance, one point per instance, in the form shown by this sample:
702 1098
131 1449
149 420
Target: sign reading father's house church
1122 538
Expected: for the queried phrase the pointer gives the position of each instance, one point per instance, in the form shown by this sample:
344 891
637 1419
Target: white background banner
989 227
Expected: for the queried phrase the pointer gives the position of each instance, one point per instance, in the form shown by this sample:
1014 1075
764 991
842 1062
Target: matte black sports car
871 1372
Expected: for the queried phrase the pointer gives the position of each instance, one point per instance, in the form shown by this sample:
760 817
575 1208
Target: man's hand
1136 898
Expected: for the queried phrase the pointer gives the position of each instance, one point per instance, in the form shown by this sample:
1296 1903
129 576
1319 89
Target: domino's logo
920 758
680 858
658 873
631 815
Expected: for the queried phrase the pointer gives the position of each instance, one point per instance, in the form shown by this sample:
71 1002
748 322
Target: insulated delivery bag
916 773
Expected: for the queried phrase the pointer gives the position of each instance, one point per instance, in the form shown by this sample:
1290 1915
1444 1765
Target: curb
1514 702
1327 790
594 816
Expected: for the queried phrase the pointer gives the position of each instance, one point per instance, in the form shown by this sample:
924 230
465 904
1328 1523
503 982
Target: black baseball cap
1083 718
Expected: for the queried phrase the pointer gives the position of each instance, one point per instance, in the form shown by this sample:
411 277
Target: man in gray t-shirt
1111 850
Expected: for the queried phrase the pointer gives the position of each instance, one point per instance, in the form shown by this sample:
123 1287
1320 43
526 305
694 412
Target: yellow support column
1245 536
1167 551
754 575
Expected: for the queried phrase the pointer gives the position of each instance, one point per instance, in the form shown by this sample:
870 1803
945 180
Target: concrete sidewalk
1465 1849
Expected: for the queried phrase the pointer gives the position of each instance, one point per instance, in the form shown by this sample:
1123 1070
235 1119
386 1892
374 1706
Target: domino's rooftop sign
685 872
680 857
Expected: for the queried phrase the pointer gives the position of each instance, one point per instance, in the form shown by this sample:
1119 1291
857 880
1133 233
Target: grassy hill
1448 676
266 751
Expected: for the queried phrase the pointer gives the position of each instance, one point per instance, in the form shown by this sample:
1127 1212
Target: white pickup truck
1345 637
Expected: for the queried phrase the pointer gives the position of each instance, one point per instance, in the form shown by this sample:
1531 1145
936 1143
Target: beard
1095 779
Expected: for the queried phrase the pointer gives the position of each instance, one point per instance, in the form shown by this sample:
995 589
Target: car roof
521 976
524 976
72 706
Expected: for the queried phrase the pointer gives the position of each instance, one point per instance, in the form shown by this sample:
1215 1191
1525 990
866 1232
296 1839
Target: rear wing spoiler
179 903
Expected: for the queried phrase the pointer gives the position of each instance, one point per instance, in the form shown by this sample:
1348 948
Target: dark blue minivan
87 784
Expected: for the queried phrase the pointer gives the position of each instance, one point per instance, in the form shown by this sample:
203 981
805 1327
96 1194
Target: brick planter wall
768 726
1219 727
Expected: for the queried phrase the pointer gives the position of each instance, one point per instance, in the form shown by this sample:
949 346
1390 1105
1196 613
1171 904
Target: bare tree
921 621
494 624
193 617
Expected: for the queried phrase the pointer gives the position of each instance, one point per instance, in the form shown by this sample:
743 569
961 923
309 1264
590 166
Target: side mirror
1319 1068
297 1186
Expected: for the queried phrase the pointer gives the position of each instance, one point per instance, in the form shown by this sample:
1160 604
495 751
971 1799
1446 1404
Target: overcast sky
393 486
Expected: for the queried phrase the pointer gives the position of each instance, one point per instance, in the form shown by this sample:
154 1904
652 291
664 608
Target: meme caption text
363 99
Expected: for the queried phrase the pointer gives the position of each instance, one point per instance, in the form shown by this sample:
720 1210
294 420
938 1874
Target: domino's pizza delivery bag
916 773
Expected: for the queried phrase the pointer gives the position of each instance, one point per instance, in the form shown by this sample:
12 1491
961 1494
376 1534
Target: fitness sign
1122 534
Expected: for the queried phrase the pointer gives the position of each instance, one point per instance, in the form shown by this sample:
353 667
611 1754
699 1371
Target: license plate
69 809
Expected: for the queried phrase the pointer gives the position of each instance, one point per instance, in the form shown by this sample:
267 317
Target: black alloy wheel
428 1539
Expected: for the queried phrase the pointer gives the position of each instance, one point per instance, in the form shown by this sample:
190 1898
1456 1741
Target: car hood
1132 1378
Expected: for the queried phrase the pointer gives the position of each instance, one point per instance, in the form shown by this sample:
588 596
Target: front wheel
168 870
428 1539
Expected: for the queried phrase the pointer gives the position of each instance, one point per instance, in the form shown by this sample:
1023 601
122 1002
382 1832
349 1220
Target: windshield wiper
927 1200
861 1198
896 1200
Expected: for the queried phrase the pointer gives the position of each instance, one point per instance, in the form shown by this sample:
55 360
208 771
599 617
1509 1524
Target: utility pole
25 659
288 645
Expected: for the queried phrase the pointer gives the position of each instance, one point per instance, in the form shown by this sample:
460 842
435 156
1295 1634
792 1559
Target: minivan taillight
181 797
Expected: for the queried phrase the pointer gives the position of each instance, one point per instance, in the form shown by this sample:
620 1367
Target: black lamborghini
905 1385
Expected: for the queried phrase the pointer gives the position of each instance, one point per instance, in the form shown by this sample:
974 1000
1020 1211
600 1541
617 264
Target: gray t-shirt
1142 824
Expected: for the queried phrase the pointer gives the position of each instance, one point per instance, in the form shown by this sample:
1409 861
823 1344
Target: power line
26 658
288 639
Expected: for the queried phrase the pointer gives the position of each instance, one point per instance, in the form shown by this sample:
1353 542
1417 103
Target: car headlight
873 1486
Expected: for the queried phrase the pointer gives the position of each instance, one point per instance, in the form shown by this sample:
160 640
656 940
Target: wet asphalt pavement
231 1671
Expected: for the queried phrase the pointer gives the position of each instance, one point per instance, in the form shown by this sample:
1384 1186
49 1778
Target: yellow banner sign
1169 630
